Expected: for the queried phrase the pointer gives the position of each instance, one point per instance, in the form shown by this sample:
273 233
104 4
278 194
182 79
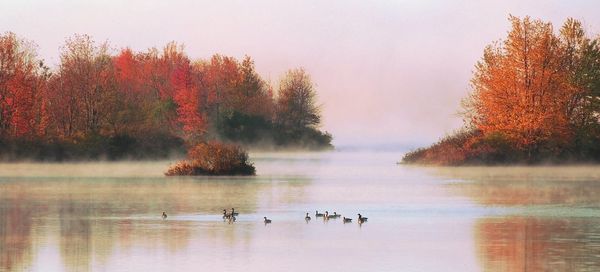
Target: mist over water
106 216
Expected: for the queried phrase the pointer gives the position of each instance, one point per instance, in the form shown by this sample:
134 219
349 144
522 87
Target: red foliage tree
187 97
22 85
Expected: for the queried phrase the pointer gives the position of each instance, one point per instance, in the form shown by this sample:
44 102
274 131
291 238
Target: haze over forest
386 72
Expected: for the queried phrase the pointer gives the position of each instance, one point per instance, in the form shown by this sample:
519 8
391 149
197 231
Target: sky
388 73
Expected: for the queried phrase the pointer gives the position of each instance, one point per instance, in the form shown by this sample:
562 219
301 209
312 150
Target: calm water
106 217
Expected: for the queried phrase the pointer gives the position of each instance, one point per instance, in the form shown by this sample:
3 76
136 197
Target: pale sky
387 72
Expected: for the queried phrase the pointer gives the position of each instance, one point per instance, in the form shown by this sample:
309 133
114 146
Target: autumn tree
247 109
521 87
254 95
160 78
128 116
189 98
84 92
149 84
221 77
144 104
22 86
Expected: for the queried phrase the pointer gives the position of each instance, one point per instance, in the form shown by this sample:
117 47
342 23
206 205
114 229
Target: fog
388 73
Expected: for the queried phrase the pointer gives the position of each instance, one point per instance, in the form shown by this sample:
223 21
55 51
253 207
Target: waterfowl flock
231 217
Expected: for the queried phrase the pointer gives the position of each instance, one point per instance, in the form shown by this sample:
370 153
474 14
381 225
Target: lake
106 216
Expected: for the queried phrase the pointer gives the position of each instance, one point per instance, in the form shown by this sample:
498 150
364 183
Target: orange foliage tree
522 89
535 97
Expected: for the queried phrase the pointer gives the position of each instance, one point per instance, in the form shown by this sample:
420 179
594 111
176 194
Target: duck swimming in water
267 221
164 215
225 214
347 220
361 219
233 212
307 217
317 214
331 216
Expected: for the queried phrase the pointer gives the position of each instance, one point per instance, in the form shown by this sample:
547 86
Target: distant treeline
535 99
147 104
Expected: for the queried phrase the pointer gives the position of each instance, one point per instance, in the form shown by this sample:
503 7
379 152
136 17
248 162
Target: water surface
106 217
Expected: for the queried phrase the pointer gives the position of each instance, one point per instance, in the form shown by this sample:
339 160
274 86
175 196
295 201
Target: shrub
450 150
213 158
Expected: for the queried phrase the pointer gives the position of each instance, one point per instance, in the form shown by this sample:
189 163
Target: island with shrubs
535 99
213 158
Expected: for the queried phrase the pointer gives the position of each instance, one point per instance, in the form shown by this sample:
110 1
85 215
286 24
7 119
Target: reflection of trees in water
114 197
95 216
75 234
15 233
538 244
531 192
525 185
527 243
236 234
289 191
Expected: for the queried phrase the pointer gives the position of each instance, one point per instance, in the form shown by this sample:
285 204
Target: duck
233 212
326 216
307 217
347 220
225 215
164 215
267 221
317 214
332 216
361 219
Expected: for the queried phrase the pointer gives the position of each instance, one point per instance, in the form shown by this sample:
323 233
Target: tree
582 59
521 87
296 102
221 77
85 87
188 98
127 116
246 115
253 94
22 85
101 104
160 74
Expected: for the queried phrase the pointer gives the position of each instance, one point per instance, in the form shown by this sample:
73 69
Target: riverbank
471 147
150 147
